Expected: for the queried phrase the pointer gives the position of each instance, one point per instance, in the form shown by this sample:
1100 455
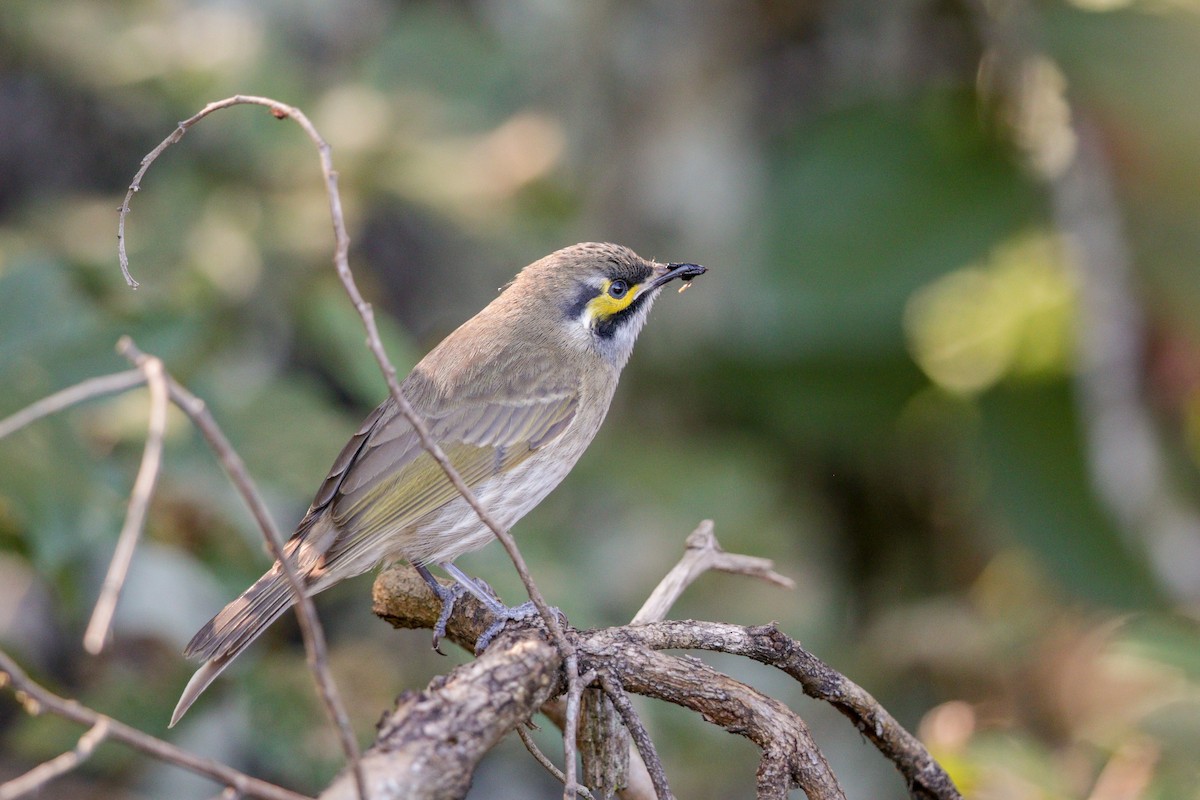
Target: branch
639 786
139 501
402 599
641 738
37 700
686 681
47 771
74 395
628 655
703 553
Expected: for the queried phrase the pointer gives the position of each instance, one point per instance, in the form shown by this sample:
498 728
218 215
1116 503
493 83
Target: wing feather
391 482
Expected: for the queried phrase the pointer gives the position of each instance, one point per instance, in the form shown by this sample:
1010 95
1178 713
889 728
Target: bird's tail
229 633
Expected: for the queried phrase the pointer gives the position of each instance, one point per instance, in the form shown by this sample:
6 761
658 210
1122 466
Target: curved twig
768 645
547 764
43 773
139 502
71 396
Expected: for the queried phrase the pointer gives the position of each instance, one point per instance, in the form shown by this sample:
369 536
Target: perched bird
514 396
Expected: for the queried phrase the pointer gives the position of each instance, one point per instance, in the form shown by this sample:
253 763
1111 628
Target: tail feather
232 630
241 622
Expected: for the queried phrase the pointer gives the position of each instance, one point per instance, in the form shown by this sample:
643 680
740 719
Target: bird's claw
526 610
448 596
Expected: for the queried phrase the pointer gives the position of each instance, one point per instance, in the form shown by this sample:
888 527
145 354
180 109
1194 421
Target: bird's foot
503 616
448 595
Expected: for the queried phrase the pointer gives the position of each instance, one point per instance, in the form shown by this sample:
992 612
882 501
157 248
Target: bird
513 397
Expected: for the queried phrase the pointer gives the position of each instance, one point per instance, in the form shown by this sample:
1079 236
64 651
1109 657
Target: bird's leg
502 613
475 586
447 595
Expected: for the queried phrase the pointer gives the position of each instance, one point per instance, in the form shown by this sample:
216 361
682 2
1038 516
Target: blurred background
945 368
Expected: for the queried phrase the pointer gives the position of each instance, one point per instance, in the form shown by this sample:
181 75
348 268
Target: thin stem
641 738
73 395
139 501
547 764
703 553
47 771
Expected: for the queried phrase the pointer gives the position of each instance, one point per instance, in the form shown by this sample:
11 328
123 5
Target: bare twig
641 738
59 401
139 501
547 764
574 694
703 553
38 699
49 770
306 613
342 264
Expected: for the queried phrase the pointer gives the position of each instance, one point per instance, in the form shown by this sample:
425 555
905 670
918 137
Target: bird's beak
665 273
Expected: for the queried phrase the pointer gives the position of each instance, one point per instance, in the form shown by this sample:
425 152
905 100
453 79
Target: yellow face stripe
604 305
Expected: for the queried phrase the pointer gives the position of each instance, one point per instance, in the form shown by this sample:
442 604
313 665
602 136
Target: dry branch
701 554
641 737
768 645
47 771
71 396
628 658
402 599
139 502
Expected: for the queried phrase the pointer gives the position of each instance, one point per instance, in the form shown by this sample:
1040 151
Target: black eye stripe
607 328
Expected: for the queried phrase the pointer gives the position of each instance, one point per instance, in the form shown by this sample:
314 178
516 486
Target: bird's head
598 295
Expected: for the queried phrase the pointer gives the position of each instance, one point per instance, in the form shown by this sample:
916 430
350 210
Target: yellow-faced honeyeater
514 396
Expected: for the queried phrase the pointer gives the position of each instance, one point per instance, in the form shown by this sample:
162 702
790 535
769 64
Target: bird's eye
617 289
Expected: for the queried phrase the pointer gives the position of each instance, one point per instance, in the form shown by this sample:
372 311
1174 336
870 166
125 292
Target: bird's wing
385 481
